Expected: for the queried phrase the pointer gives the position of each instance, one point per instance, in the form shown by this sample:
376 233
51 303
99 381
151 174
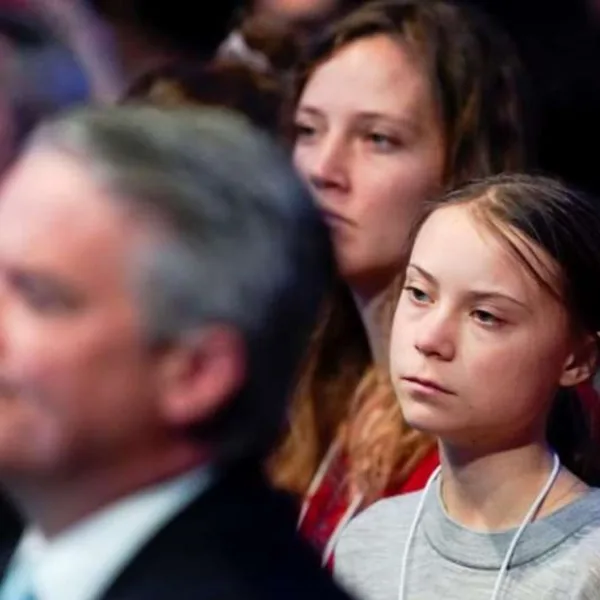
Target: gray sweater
557 557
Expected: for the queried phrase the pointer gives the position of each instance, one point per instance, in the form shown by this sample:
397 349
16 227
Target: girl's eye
486 318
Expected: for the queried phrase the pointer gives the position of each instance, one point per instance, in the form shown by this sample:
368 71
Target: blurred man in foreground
159 274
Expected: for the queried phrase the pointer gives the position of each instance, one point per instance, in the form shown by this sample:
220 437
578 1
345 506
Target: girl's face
479 347
370 144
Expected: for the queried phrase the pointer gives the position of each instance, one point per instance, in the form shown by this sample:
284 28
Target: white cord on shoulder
313 489
317 480
528 518
413 530
337 532
534 508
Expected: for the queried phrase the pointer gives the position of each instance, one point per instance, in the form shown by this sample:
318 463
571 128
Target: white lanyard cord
534 508
335 536
317 480
312 490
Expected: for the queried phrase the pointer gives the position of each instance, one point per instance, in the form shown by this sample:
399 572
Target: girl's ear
581 364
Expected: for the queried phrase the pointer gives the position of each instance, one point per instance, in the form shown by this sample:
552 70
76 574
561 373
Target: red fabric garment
328 505
419 477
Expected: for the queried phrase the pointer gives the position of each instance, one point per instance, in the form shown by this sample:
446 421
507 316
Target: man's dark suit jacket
237 541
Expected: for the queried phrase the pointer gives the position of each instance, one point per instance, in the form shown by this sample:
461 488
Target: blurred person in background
271 34
38 77
301 16
149 35
148 351
398 101
232 84
118 41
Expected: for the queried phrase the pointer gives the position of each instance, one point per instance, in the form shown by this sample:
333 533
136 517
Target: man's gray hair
246 245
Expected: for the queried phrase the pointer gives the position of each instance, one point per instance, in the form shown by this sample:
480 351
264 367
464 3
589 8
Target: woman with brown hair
399 101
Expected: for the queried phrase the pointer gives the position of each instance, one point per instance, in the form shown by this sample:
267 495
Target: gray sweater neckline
480 550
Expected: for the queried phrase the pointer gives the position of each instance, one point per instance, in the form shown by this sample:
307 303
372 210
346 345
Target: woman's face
371 145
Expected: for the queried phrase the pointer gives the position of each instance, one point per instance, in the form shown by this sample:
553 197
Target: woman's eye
417 295
382 141
303 130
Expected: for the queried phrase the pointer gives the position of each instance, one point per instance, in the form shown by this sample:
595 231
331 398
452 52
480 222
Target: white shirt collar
82 562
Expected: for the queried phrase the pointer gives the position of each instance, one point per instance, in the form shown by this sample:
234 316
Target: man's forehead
48 192
66 226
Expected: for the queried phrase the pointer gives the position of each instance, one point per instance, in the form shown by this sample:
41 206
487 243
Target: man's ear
201 373
581 364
